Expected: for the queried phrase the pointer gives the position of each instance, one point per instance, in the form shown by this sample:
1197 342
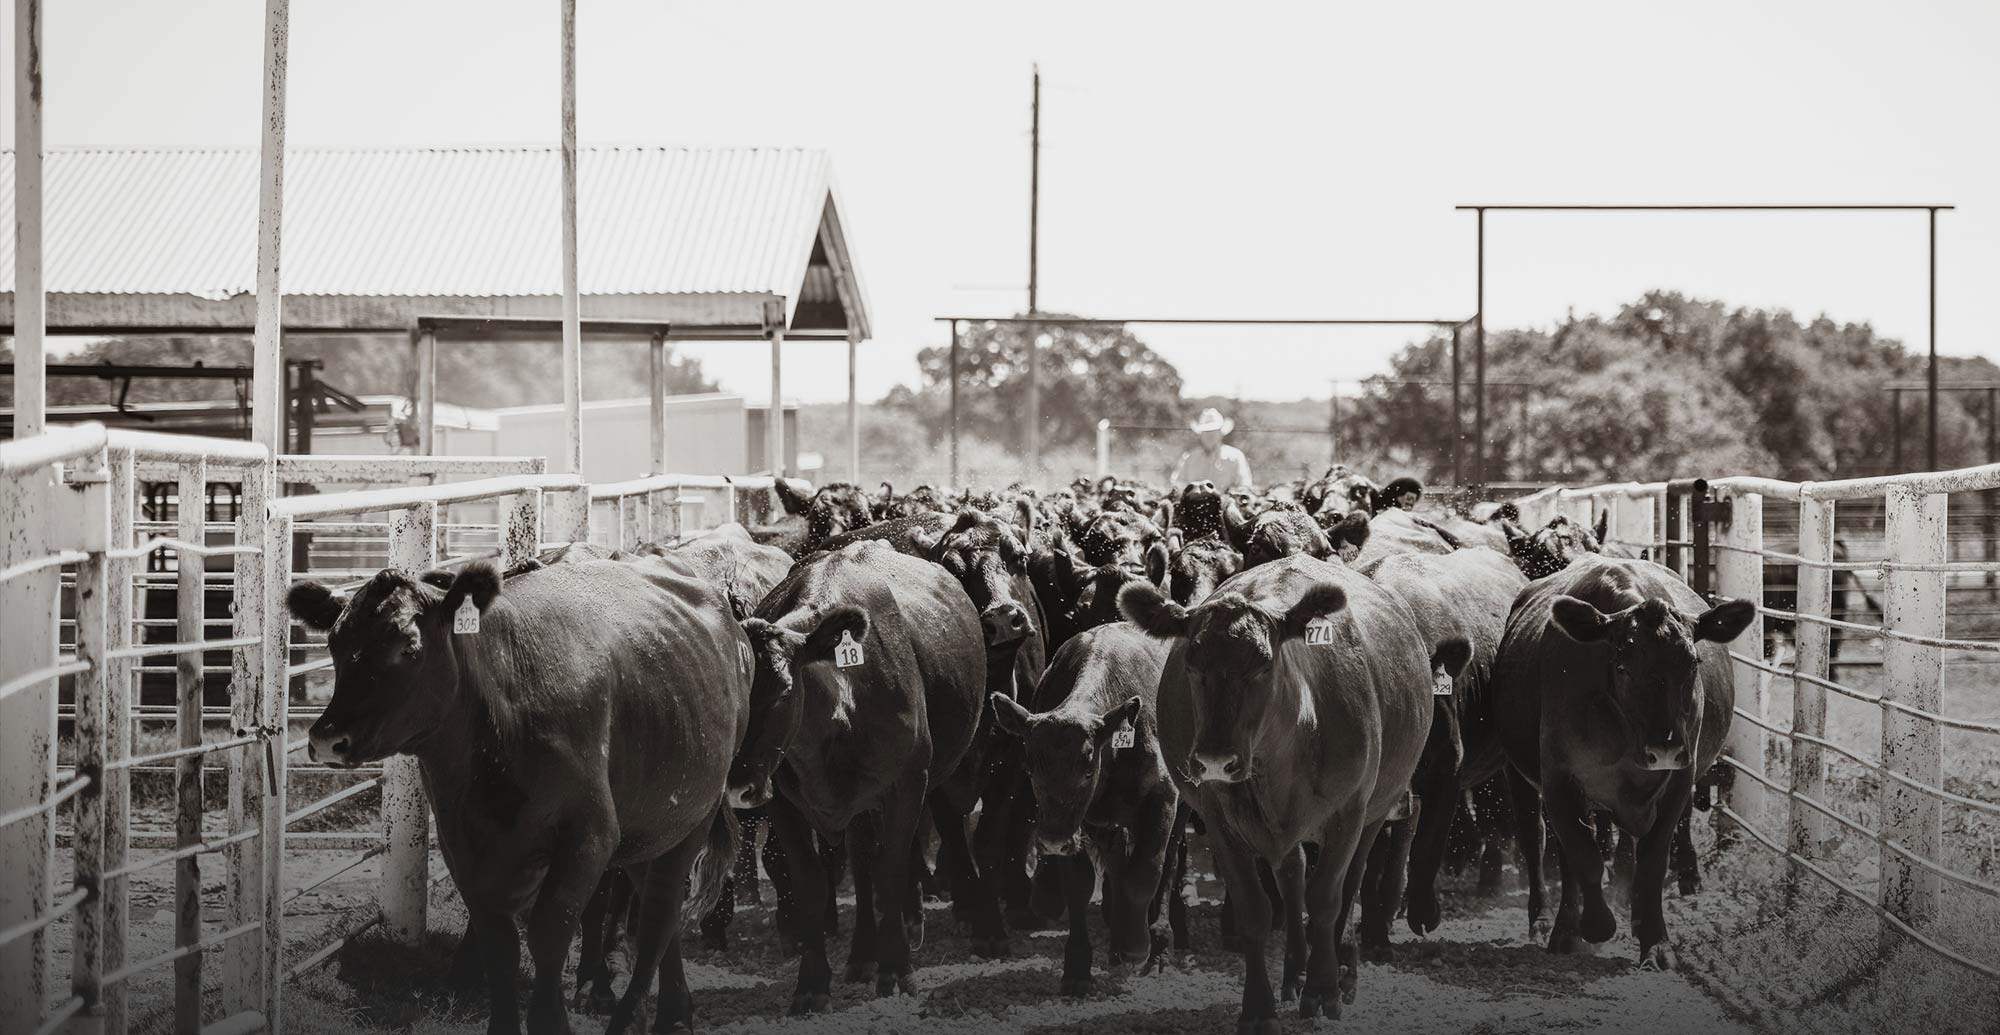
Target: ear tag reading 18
1441 685
1319 632
466 618
847 653
1124 738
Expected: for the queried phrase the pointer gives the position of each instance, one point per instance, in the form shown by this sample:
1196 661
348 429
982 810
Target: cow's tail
712 866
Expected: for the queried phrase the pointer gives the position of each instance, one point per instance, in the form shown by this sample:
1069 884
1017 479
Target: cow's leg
1292 889
1078 878
862 849
566 889
1334 885
814 993
833 857
1000 839
715 925
676 1006
1530 835
1649 921
1582 869
663 887
784 916
593 962
467 971
896 832
1624 860
1139 928
745 883
1176 882
1496 825
1350 961
1687 866
499 943
1378 912
1437 798
1240 874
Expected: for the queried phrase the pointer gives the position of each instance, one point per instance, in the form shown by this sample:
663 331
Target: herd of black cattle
1318 679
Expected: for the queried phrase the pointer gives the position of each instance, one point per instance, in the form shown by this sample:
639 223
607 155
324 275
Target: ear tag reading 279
1319 632
466 618
847 653
1124 738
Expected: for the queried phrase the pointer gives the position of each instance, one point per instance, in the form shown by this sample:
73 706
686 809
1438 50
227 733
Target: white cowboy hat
1212 419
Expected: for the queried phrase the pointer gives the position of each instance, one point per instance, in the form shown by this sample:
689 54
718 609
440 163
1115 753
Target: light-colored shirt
1226 468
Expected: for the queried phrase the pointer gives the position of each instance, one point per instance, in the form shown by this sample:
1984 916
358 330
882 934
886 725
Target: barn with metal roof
697 244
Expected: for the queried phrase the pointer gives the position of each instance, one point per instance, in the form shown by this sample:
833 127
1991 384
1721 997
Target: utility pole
1034 262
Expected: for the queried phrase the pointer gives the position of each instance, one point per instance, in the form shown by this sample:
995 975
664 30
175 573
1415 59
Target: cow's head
395 672
783 652
1117 537
1199 567
1548 549
986 554
1097 588
1283 531
1067 756
1339 491
836 508
1651 653
1232 667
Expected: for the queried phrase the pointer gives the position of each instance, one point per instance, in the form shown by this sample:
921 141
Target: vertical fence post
1914 534
1815 597
1632 522
660 519
524 527
92 689
118 730
190 610
568 517
29 606
631 512
1740 576
243 958
405 816
274 706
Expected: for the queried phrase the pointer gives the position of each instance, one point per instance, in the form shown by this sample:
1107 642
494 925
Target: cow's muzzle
329 746
1673 755
749 796
1059 846
1218 767
1005 622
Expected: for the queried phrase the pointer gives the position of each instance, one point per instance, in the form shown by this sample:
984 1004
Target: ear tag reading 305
1319 632
1441 685
1124 738
847 653
466 618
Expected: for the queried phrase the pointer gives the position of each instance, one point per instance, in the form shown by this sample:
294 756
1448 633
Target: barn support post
774 422
954 404
524 527
92 691
243 958
1457 410
1815 597
853 414
1739 569
426 402
572 303
118 682
405 885
1479 358
267 411
1990 499
1911 819
189 606
657 394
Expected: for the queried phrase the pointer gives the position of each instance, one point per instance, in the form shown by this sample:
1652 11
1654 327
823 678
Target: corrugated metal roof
431 222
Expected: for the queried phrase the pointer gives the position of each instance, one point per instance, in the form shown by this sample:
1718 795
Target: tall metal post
774 424
267 415
1034 428
1931 371
120 676
188 687
1896 430
1914 674
1479 360
853 415
426 360
30 307
954 404
572 305
1457 411
657 391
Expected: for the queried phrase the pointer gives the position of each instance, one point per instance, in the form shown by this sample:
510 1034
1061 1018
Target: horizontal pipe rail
366 501
210 942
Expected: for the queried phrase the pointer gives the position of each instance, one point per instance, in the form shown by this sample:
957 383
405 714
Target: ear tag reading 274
1319 632
466 618
847 653
1124 738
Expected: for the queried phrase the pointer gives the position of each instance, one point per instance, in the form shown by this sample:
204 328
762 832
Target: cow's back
1397 531
1466 593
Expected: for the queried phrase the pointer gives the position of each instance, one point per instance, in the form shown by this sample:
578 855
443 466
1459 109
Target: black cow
543 738
810 521
1277 742
863 744
1613 691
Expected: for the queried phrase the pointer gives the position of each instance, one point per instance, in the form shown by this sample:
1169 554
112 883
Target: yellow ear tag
466 618
847 653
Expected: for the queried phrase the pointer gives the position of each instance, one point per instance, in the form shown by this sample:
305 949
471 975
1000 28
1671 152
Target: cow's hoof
1539 928
1078 985
1690 887
1424 913
892 983
990 948
1257 1026
1317 1003
858 971
1350 982
1598 925
806 1003
1288 990
1378 952
1654 957
1562 939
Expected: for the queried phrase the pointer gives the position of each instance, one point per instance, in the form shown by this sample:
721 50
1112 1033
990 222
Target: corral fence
83 542
1881 782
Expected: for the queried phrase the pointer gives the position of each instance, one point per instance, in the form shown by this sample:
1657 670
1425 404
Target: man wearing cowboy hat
1210 460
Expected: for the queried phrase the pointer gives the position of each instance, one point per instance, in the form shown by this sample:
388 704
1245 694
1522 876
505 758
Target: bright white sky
1244 159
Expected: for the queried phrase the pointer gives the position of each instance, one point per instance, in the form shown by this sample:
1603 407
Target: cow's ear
1451 657
1578 620
1126 714
1508 511
1145 606
792 500
1517 537
438 578
1320 546
1321 600
314 604
1725 622
479 580
845 618
1024 516
1010 716
1602 526
773 644
1156 564
1350 535
924 540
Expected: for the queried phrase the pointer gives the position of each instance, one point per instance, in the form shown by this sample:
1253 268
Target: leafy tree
1088 372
